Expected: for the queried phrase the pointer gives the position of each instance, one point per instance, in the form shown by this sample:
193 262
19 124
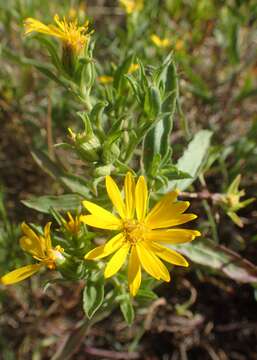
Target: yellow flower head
72 224
105 79
161 43
133 68
72 35
132 6
141 234
40 247
179 45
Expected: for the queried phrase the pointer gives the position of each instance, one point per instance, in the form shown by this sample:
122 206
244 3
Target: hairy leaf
192 159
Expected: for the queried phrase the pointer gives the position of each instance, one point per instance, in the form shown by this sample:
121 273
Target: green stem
211 221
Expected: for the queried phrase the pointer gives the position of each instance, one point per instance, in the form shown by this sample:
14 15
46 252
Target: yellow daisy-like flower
40 247
132 6
72 35
72 224
133 68
105 79
140 235
161 43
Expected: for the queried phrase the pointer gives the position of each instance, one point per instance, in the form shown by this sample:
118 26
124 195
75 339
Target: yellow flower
179 45
72 35
161 43
105 79
140 235
72 224
133 68
132 6
40 247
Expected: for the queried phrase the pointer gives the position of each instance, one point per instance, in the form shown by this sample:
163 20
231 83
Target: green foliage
93 295
193 159
221 259
62 203
152 108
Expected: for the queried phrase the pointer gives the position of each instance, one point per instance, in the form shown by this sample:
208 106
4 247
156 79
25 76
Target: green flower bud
103 170
110 153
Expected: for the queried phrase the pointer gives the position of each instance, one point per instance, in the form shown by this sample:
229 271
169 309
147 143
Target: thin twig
203 195
109 354
151 312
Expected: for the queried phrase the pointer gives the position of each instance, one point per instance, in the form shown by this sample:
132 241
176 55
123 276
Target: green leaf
192 159
127 309
45 69
119 78
45 163
169 106
66 202
145 294
51 48
232 38
221 259
93 296
74 183
157 140
152 102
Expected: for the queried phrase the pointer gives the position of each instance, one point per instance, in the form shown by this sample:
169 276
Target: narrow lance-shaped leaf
127 309
74 183
67 202
192 159
169 107
93 296
157 140
221 259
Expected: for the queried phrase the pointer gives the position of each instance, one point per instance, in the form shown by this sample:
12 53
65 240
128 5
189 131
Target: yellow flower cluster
132 6
107 79
40 247
161 43
72 224
69 32
140 235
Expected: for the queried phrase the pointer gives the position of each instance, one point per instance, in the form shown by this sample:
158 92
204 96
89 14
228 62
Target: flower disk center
134 231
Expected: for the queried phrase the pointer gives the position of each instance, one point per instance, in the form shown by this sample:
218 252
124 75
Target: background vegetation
207 312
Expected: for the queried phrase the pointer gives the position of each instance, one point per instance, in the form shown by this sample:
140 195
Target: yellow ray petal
166 212
100 223
106 217
117 261
134 272
165 200
172 236
36 25
169 255
98 210
129 189
115 196
151 263
141 198
28 232
20 274
173 221
104 250
48 242
31 243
